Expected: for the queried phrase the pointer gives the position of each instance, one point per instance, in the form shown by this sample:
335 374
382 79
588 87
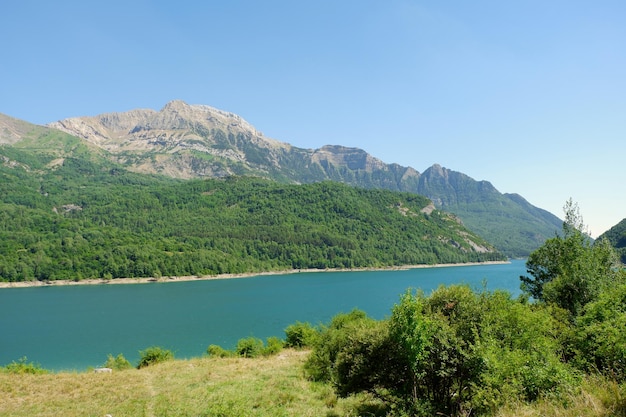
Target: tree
570 271
154 355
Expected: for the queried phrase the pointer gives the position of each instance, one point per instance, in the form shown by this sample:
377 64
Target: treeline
84 219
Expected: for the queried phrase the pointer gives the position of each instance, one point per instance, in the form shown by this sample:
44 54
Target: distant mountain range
197 141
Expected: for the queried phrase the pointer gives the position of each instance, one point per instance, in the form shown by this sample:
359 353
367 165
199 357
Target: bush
300 335
118 363
365 360
273 345
22 366
218 352
250 347
438 339
452 353
154 355
329 342
600 340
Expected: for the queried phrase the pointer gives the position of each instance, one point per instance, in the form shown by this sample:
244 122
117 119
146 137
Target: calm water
75 327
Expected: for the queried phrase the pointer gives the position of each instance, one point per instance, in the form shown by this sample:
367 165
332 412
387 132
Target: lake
75 327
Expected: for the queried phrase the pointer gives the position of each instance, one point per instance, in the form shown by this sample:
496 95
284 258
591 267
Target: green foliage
616 236
521 354
22 366
273 346
118 363
217 351
440 339
250 347
570 271
331 339
451 352
92 220
586 281
364 360
300 335
601 335
154 355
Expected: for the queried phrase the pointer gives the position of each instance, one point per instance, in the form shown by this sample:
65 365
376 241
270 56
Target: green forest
75 218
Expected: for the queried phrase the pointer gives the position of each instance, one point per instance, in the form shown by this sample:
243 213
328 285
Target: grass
233 387
598 397
237 387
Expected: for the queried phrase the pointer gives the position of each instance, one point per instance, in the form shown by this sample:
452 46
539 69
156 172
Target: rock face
177 129
195 141
191 141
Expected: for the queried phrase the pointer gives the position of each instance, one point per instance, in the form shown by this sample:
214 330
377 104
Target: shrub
250 347
521 354
600 339
22 366
365 360
452 353
300 335
154 355
118 363
273 345
218 352
329 342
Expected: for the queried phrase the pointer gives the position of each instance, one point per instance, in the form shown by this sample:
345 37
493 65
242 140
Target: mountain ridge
198 141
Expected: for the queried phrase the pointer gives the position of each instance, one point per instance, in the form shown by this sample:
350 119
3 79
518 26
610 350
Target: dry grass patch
598 397
274 386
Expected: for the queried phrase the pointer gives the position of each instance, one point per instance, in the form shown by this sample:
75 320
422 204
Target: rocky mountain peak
186 115
353 158
176 126
437 170
194 141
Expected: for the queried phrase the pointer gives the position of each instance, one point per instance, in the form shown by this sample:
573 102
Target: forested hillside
73 218
198 141
616 235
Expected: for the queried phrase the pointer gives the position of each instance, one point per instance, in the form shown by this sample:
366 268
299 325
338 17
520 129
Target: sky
528 95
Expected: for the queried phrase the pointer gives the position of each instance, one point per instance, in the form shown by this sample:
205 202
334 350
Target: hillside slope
72 218
616 235
196 141
509 221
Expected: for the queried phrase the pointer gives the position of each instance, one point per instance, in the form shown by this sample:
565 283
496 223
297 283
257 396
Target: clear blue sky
529 95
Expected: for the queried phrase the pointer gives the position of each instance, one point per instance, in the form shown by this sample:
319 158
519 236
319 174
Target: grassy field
272 386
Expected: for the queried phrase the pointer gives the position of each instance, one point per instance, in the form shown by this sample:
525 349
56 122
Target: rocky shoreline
116 281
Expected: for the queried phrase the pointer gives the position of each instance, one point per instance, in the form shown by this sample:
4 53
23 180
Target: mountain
196 141
508 221
616 235
74 216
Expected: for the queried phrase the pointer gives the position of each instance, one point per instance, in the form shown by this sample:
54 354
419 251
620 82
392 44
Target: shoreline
149 280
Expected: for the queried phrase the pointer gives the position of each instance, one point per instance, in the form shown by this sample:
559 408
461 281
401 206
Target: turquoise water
75 327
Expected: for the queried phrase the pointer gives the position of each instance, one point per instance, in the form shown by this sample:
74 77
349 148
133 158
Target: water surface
75 327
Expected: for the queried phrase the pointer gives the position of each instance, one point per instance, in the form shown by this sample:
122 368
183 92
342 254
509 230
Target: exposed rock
195 141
